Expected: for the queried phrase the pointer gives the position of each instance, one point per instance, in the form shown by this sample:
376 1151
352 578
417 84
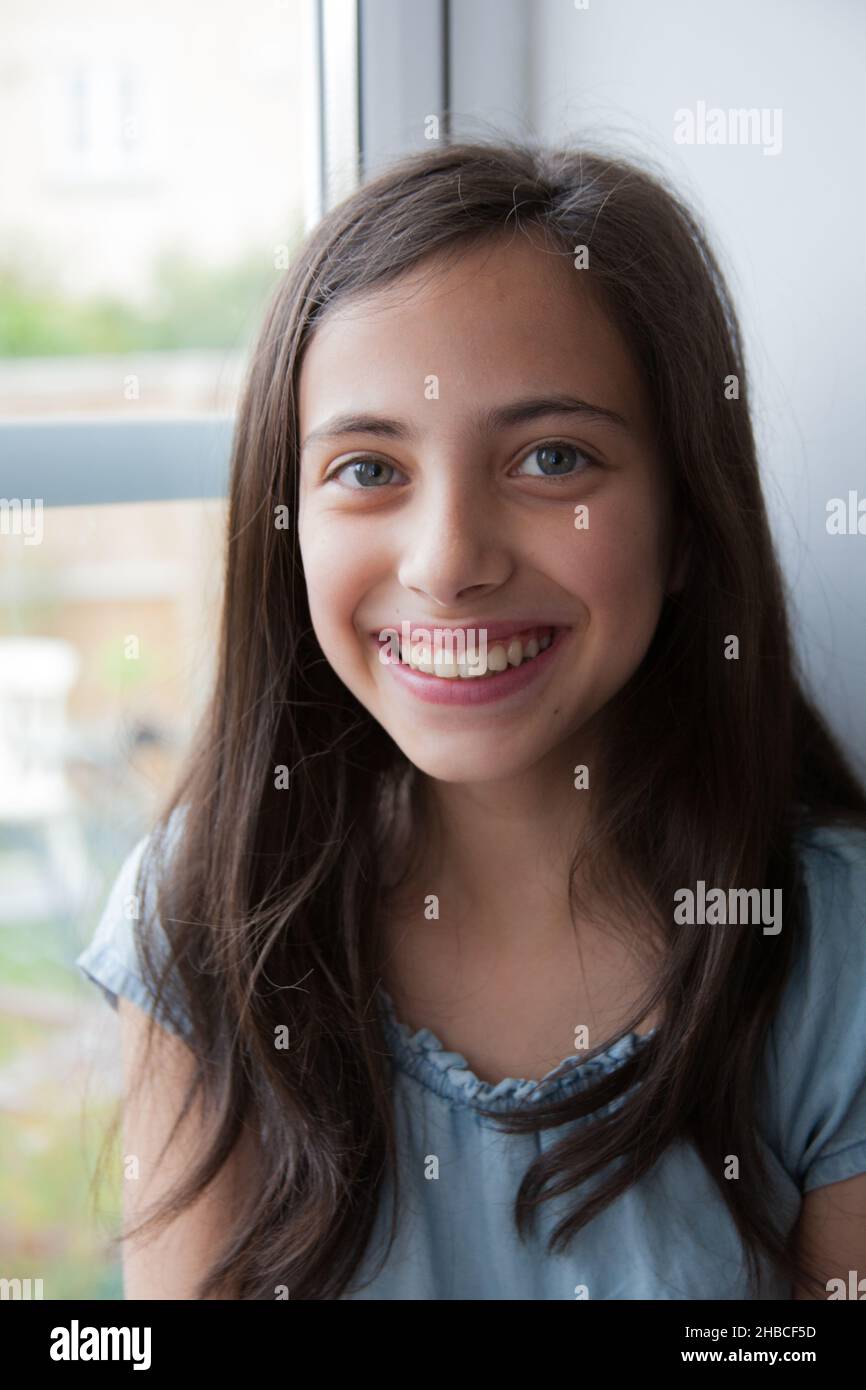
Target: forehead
498 318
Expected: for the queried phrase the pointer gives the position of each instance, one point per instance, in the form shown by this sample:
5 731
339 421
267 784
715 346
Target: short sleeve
817 1096
111 960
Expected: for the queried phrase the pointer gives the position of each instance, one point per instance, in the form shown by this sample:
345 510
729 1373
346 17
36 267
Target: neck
498 853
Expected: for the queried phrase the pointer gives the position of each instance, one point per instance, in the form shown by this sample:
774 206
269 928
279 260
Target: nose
454 541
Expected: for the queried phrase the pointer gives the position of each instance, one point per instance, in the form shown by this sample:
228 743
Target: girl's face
503 478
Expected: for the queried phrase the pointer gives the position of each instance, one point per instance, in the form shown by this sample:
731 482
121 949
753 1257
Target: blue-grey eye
557 460
367 473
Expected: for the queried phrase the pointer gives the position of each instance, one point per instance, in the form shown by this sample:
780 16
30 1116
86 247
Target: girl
454 972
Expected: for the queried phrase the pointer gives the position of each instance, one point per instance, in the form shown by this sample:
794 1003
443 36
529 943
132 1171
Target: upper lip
495 630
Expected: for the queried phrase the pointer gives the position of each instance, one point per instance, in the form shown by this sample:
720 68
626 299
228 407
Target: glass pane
155 184
107 640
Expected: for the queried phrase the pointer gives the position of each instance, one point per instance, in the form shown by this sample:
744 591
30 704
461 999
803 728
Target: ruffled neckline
422 1055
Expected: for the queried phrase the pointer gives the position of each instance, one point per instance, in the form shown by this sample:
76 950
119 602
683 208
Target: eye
557 459
366 473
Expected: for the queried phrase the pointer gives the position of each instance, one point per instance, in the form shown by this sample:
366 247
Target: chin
469 758
457 770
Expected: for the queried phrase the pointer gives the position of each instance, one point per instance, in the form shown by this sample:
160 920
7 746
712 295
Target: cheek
617 573
338 575
623 580
331 594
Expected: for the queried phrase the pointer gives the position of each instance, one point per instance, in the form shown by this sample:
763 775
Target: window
161 171
166 159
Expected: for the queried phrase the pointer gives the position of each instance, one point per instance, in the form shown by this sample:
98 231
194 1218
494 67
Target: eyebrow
498 418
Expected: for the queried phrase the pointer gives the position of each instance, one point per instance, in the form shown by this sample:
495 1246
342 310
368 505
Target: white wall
790 228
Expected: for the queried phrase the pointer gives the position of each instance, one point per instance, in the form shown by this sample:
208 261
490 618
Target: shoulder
816 1101
832 955
129 925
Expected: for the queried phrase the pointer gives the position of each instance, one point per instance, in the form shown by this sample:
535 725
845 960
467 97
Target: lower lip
476 690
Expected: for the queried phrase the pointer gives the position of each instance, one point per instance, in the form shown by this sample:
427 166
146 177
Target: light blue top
669 1236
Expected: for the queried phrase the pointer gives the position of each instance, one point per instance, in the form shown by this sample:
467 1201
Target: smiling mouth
501 655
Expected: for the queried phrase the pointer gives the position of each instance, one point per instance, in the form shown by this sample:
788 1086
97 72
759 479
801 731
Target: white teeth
446 669
499 657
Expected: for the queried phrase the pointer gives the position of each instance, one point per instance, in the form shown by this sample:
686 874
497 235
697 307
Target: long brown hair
270 896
